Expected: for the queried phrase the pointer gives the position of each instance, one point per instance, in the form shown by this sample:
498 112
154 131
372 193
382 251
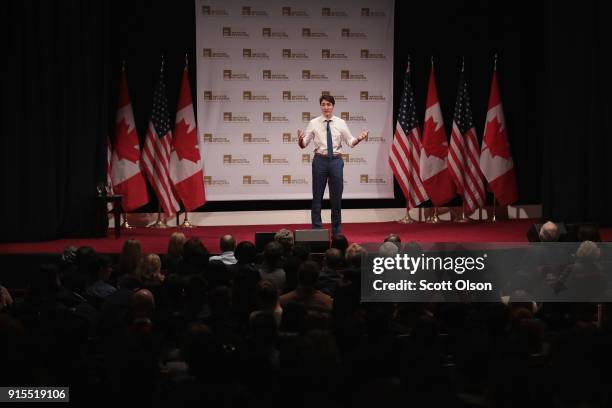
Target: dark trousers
325 169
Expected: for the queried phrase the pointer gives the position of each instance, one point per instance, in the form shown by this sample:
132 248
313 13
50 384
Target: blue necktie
330 144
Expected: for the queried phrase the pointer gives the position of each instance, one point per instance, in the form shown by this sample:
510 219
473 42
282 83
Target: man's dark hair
308 274
227 243
395 239
339 241
273 252
245 252
327 98
333 258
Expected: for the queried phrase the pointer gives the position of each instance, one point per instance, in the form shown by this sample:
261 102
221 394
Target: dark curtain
54 103
577 178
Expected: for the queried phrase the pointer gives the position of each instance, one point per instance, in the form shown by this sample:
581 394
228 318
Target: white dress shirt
317 131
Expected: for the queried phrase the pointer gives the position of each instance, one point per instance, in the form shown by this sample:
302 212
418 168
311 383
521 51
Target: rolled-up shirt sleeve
309 134
347 136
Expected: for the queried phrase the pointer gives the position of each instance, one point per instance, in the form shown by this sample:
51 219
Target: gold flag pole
126 224
186 223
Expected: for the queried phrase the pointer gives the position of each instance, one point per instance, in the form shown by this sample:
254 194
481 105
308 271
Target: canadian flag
433 161
185 163
125 167
495 156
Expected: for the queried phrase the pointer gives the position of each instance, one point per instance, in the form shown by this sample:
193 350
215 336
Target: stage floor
156 240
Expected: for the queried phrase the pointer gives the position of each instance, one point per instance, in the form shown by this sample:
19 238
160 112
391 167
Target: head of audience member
340 242
201 351
103 269
245 253
142 304
308 274
217 274
175 245
394 238
353 255
273 254
227 243
301 251
195 255
588 251
266 294
220 301
86 259
286 239
130 257
150 269
549 232
388 249
588 232
333 259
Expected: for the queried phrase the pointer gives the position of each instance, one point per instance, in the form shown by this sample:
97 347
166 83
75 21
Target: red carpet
156 240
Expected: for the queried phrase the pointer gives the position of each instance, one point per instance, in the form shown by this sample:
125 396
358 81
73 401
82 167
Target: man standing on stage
327 164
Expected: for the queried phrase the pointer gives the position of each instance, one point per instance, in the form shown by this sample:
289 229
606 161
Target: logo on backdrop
306 158
367 54
251 180
292 179
211 181
251 96
232 75
207 10
213 96
293 54
355 117
333 12
339 96
371 179
270 75
235 159
257 138
274 117
366 96
269 158
369 12
288 138
312 33
254 54
248 11
215 53
293 12
310 75
308 116
277 34
233 117
328 53
347 75
347 33
216 138
353 159
294 96
228 32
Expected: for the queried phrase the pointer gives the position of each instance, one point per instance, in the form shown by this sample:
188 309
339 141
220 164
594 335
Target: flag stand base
407 219
434 219
186 223
159 223
126 224
463 219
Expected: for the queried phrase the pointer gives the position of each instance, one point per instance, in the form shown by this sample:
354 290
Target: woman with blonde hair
150 269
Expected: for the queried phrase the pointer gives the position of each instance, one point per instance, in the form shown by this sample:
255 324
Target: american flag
464 152
156 153
406 148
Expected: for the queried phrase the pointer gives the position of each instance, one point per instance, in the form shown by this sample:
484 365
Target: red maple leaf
497 140
435 144
186 143
125 143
